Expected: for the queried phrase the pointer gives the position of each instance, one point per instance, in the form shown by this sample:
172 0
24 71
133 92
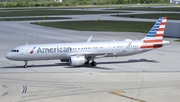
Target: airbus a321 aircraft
78 54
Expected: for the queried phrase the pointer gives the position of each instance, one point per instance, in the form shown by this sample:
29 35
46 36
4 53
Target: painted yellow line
120 92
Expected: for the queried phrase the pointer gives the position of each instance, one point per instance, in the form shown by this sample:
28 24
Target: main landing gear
93 63
25 65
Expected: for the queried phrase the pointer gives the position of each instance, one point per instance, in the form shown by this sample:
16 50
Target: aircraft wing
97 54
89 54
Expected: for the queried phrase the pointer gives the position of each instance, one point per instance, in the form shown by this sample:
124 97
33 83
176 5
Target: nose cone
9 56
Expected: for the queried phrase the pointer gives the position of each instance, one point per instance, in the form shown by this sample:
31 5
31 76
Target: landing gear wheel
93 64
25 66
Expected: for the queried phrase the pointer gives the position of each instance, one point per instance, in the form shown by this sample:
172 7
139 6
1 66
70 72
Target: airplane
81 53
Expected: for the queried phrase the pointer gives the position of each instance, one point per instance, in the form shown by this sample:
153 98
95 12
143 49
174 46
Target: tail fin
154 38
157 31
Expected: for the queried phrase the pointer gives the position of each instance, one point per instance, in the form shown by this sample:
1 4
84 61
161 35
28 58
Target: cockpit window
14 50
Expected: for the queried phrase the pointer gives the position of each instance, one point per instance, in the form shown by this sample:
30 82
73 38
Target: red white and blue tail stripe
154 38
157 31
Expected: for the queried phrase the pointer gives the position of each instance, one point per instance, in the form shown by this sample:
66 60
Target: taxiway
149 77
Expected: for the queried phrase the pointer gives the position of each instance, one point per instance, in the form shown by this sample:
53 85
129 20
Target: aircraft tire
93 64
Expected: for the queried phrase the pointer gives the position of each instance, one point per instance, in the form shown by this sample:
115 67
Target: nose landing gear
25 65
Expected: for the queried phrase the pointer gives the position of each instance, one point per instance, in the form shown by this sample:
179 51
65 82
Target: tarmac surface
153 76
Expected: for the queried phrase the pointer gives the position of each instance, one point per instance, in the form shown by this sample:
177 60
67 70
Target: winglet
125 50
89 40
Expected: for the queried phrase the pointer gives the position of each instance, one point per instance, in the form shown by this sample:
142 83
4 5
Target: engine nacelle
64 60
77 60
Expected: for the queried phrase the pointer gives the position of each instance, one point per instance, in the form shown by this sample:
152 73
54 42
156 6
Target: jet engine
77 60
64 60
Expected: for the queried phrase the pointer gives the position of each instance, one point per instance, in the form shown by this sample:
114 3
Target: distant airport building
58 0
175 1
172 29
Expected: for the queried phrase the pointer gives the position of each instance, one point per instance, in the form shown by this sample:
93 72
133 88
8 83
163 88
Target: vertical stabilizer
154 38
157 31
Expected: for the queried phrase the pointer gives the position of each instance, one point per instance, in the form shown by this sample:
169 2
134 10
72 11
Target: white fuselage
65 50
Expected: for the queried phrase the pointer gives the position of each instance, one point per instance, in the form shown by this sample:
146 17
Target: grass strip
42 12
115 26
177 40
34 18
173 16
176 9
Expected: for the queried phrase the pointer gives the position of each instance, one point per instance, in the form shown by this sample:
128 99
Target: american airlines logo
32 51
54 50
